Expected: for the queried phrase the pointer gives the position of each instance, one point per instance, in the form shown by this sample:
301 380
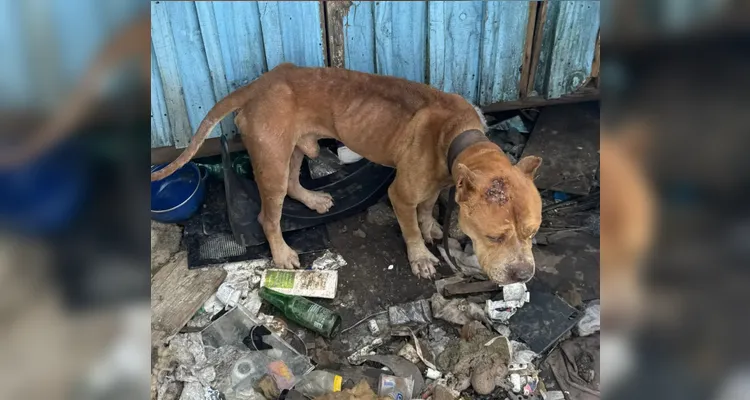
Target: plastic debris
400 367
326 163
409 353
468 263
514 297
357 358
512 123
554 395
306 283
521 354
457 311
433 374
407 317
347 156
502 329
373 326
328 261
395 387
590 322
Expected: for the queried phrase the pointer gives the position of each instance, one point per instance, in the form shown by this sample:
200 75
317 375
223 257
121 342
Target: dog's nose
521 272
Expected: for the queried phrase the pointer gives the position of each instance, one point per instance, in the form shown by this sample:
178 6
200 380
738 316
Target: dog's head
500 210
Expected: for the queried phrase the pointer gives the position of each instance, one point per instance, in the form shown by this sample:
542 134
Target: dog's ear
466 182
528 165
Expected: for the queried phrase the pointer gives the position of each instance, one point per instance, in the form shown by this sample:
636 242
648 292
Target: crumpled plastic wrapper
329 261
457 311
325 164
590 321
468 263
408 317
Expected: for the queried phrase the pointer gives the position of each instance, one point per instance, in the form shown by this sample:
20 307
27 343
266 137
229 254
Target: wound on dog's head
497 192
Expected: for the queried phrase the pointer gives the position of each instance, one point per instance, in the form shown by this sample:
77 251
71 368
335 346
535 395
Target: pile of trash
461 340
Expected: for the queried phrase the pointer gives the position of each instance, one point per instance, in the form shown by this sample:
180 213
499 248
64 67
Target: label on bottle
305 283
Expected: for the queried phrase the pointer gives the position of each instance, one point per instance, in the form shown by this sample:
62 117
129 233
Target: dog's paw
423 264
286 258
319 201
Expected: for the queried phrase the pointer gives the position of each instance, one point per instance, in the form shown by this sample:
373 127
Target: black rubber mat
542 321
354 188
209 240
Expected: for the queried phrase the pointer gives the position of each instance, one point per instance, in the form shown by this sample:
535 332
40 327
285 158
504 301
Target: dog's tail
223 108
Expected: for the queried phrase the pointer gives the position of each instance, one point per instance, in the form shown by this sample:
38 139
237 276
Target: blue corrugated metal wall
204 50
474 48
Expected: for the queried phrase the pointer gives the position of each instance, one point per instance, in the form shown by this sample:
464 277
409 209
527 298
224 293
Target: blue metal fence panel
455 41
205 50
503 44
401 39
473 48
568 45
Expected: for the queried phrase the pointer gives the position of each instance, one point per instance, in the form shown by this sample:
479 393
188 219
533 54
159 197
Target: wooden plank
503 40
211 147
292 32
572 54
547 24
359 31
567 139
460 288
336 12
528 47
163 46
597 59
161 132
583 95
454 45
212 48
177 293
197 86
536 48
401 39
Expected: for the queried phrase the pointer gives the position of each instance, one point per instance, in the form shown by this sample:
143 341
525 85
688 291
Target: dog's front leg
404 203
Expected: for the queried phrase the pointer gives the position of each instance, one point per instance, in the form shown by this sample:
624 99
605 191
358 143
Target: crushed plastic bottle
318 383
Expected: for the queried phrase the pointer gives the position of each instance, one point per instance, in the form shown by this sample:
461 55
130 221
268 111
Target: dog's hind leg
318 201
270 162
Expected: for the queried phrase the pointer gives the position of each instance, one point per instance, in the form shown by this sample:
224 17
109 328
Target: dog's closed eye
496 239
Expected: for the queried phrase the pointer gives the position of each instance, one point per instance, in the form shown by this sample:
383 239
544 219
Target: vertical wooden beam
336 11
541 17
528 47
597 60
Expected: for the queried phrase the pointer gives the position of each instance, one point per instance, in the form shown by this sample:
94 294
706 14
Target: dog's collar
461 142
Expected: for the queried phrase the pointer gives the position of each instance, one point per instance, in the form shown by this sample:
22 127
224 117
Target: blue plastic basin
177 197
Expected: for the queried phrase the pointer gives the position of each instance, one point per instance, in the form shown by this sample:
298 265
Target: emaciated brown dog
393 122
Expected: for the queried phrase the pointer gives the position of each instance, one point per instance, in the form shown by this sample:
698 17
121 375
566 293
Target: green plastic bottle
304 312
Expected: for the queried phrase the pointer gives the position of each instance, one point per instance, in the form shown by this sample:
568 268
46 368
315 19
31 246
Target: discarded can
304 312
